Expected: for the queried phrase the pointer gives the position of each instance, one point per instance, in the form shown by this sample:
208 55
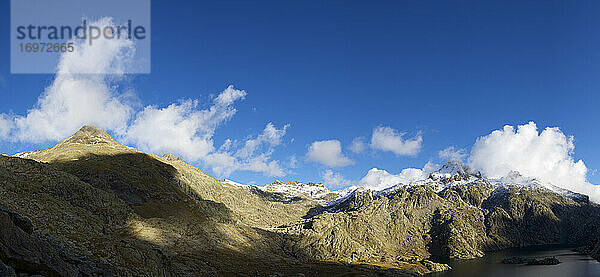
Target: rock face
90 206
21 251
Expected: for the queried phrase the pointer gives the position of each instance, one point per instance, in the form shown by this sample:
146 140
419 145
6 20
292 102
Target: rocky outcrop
23 252
435 267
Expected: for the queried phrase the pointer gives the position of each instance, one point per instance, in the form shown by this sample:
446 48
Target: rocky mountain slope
455 213
92 207
98 208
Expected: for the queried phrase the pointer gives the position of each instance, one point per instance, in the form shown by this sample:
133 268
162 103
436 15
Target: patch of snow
348 193
22 155
233 183
314 190
514 178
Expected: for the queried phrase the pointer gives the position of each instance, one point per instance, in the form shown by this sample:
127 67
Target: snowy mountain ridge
456 173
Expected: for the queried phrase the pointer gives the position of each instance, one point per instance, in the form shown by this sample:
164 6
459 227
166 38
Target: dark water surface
572 264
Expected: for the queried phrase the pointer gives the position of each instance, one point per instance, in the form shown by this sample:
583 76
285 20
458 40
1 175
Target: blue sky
448 71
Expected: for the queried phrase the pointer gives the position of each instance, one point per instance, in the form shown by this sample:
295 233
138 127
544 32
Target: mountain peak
89 134
453 166
455 169
171 157
457 166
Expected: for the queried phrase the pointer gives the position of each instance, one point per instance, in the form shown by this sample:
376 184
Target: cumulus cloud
6 124
546 156
292 161
388 139
254 155
328 152
85 90
186 130
269 138
182 128
264 165
378 179
81 93
358 145
453 153
335 180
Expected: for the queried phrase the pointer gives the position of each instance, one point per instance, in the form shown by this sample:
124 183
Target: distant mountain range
93 207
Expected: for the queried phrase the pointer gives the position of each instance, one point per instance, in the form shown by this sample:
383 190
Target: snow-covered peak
346 195
454 168
347 191
313 190
514 178
453 173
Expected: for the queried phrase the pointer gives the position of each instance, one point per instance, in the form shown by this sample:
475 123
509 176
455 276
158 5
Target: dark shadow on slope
439 234
314 211
148 185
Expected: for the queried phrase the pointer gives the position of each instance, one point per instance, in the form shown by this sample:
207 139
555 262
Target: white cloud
85 91
292 161
358 145
226 145
222 163
77 97
388 139
269 138
328 152
378 179
256 153
182 128
453 153
264 165
6 124
546 156
335 180
185 130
